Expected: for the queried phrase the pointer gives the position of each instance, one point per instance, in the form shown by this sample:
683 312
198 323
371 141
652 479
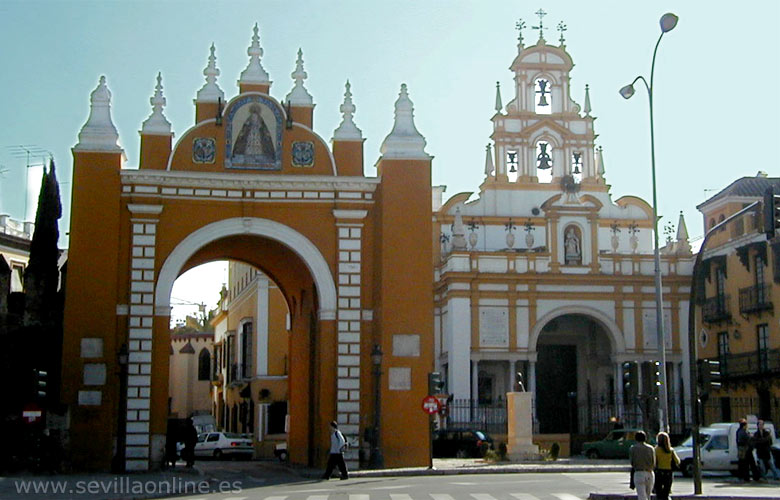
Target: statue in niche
573 252
254 141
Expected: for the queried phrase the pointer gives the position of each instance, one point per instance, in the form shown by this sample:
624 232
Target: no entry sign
430 405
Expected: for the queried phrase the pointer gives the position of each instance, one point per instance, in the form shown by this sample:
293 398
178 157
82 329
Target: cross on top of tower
562 27
541 13
519 25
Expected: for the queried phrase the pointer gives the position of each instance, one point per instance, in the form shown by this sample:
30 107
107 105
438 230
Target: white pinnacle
488 161
499 105
347 130
458 232
404 141
99 132
210 92
600 169
254 72
157 123
587 109
299 96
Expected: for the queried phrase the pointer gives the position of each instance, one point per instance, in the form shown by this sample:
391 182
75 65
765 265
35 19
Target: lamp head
668 22
376 355
627 91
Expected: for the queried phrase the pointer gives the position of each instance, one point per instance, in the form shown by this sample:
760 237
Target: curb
620 496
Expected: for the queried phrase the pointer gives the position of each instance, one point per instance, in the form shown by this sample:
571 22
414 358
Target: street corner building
251 182
541 273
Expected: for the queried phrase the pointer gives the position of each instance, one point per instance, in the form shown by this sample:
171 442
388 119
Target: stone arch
297 242
616 340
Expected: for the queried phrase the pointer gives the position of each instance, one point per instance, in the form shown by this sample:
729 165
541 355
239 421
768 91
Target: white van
719 447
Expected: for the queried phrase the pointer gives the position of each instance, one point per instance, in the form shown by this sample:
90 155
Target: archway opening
575 375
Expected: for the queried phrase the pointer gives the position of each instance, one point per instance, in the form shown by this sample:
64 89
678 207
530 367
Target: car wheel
593 453
218 454
461 454
686 467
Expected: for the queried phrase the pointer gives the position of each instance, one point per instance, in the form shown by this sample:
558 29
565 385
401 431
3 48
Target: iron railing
729 409
764 362
716 309
755 298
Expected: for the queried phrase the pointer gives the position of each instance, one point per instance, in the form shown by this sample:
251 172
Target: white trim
350 214
291 238
145 209
617 343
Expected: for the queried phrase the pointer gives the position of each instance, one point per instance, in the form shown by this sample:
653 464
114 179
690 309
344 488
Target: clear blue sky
716 78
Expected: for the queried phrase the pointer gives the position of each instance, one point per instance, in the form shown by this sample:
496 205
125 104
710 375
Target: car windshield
233 435
480 436
703 438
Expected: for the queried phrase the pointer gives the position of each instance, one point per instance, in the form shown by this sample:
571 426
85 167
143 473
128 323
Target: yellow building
252 331
736 319
189 386
251 182
542 273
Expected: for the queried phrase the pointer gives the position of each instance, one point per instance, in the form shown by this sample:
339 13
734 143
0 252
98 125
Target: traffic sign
430 405
32 413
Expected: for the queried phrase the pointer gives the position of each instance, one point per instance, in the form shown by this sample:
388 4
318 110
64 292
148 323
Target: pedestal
520 426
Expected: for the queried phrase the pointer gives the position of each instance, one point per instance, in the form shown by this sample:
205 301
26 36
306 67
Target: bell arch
297 242
616 340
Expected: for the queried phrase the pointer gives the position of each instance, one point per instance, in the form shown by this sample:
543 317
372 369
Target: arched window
204 365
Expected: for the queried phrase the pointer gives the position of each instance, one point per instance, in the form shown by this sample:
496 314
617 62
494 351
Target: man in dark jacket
746 463
762 440
190 438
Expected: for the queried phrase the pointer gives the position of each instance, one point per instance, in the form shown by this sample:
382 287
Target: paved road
545 486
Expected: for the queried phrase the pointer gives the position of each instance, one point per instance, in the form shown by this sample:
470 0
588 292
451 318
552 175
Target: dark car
616 445
461 443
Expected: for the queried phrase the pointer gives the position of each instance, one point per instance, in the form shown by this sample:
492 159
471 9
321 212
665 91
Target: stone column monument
520 426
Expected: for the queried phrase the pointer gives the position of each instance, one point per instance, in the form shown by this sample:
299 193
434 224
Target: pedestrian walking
666 462
642 457
762 440
336 456
190 438
746 464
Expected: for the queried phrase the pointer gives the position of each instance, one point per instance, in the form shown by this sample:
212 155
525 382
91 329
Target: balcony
716 309
754 364
754 299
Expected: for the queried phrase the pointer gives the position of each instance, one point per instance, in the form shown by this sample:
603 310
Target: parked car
718 446
615 445
461 443
224 444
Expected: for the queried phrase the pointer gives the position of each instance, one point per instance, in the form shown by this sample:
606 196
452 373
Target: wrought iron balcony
753 364
755 298
716 309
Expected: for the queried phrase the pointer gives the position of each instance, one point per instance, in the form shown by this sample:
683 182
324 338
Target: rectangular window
761 292
246 350
763 347
723 352
17 277
720 284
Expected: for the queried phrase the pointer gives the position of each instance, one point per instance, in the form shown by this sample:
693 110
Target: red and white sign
431 405
32 413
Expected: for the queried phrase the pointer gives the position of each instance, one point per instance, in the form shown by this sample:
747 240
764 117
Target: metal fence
470 414
728 409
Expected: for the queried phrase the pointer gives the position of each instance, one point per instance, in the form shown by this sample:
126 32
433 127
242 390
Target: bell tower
541 136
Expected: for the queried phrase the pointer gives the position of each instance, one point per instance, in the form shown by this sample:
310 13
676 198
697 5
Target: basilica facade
543 282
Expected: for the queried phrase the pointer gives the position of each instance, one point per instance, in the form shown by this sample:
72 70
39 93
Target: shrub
555 450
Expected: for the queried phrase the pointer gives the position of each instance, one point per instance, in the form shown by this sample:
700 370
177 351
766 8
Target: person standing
746 463
190 438
336 456
762 440
642 457
666 461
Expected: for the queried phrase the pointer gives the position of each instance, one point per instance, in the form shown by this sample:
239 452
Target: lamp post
376 460
668 22
121 423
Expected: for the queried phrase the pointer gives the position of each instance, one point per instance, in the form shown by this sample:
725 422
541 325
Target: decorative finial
587 100
600 169
254 72
210 92
299 96
541 27
157 123
519 25
458 232
488 161
99 132
499 105
404 141
347 130
562 27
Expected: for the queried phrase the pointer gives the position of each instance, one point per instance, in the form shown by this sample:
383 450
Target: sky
716 80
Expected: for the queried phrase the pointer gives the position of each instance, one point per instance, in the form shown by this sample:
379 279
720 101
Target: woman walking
666 461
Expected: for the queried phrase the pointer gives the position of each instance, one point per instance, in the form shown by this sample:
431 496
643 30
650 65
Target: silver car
224 444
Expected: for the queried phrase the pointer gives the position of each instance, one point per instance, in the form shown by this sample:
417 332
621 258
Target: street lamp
376 460
668 22
121 427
